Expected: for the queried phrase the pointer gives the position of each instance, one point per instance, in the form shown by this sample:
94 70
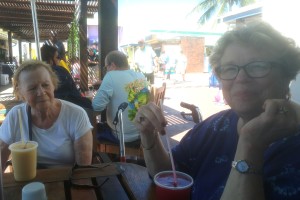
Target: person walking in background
67 89
163 61
145 59
181 65
112 93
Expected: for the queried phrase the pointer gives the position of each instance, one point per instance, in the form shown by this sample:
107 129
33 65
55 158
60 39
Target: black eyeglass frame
272 64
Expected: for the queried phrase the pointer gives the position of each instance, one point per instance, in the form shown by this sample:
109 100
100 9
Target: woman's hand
149 118
278 120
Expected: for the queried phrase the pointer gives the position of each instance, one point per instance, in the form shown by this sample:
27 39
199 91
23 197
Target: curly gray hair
261 35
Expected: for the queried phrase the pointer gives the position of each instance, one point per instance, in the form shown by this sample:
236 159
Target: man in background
181 64
145 59
112 94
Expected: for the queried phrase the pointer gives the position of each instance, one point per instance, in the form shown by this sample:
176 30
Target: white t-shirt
145 59
55 144
111 94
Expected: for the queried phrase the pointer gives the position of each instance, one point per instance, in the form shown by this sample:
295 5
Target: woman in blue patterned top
251 150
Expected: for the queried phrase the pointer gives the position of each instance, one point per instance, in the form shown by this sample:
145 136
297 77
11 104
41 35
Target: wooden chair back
158 93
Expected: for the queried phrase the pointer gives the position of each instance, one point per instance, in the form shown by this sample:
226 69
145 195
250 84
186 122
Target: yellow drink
24 160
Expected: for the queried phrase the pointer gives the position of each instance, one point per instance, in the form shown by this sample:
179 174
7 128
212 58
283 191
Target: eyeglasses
257 69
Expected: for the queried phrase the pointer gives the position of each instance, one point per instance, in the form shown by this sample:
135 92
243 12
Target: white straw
170 150
20 123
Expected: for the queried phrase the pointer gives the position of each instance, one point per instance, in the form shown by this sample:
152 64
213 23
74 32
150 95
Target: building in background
194 45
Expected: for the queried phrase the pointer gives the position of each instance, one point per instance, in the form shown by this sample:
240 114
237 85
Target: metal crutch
119 118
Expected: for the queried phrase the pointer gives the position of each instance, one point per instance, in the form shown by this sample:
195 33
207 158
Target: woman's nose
40 91
242 75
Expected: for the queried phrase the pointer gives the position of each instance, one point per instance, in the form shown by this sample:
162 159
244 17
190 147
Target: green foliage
73 42
210 8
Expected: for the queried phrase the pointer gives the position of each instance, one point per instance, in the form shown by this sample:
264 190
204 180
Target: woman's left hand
278 120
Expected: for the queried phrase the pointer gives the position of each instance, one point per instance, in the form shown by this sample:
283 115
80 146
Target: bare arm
245 186
4 154
254 137
83 149
152 123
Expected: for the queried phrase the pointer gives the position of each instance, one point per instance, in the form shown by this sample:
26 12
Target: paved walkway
195 91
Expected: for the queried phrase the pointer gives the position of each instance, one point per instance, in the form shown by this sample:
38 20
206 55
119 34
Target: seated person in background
55 42
92 57
112 93
67 89
251 150
62 129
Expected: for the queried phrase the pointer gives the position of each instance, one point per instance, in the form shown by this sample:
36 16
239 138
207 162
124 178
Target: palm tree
209 8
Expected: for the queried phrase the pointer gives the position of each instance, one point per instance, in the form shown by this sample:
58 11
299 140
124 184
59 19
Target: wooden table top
125 181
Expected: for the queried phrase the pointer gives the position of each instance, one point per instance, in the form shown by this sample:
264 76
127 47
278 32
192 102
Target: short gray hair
261 35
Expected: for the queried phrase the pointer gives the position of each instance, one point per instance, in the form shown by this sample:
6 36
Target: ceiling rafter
16 16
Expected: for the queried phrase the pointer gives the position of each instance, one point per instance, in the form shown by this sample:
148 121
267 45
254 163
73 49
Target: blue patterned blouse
207 151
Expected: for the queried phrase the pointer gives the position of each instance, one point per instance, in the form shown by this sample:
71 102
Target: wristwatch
243 167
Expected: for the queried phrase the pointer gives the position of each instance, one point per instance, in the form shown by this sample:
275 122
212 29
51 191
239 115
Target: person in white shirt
145 59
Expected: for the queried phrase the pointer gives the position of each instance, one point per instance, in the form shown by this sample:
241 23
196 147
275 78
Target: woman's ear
19 94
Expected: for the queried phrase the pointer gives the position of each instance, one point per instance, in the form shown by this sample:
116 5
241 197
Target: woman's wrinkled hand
149 118
278 120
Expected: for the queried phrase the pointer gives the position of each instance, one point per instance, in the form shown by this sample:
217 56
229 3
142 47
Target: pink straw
170 151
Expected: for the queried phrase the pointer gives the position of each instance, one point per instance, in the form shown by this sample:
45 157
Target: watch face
242 166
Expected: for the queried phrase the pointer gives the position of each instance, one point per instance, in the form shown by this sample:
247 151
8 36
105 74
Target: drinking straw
170 151
20 123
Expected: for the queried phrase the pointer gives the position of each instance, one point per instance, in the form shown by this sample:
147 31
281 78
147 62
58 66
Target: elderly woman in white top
62 129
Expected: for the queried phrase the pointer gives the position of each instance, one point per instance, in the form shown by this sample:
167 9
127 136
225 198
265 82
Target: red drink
166 189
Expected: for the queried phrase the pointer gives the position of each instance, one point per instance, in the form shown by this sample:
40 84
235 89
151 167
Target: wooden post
10 56
20 51
83 46
108 29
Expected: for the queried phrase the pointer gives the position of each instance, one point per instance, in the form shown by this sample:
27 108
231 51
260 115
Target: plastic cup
165 188
24 156
34 191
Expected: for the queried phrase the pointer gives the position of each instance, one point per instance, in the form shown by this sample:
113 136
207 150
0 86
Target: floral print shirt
207 151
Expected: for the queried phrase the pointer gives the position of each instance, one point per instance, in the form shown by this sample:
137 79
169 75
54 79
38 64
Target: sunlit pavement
195 91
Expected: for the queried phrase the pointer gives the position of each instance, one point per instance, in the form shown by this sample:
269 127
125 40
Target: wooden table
126 181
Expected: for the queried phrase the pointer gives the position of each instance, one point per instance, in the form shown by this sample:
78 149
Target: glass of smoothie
166 189
24 160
